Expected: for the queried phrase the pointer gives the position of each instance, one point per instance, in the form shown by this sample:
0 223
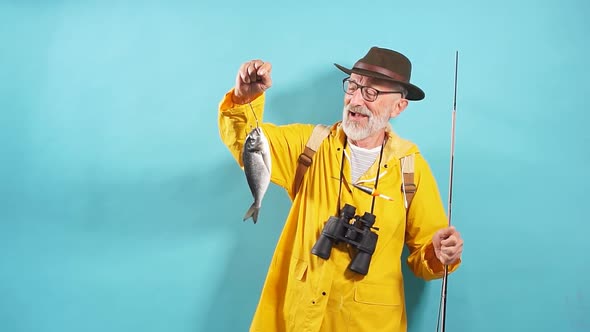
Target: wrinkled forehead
371 81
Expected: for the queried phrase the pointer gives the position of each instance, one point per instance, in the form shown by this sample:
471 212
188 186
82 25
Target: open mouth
357 116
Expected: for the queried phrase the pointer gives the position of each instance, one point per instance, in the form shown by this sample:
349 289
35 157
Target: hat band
380 70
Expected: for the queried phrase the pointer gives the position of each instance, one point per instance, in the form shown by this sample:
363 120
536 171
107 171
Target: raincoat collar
395 147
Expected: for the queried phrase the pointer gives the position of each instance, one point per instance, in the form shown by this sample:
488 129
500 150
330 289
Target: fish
257 168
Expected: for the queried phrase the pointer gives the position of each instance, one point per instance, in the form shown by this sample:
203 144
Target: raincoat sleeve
426 215
286 142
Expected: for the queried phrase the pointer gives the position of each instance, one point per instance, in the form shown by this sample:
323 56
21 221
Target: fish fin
252 212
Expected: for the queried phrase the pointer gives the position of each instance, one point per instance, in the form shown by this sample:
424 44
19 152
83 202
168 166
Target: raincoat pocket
377 307
377 294
300 270
296 291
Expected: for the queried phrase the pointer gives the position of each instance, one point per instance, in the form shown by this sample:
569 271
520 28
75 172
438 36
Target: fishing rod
443 296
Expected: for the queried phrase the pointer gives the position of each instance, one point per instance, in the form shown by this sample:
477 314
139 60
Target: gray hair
399 87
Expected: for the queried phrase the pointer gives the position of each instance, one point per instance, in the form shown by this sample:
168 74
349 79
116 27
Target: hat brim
414 92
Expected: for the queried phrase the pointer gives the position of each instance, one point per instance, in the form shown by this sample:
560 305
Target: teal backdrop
121 210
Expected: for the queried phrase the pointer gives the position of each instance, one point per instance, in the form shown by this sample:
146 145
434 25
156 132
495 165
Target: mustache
359 110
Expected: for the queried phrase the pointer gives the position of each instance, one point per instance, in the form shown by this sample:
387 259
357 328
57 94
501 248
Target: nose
356 98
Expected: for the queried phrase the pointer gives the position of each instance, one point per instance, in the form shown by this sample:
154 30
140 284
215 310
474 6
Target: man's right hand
252 80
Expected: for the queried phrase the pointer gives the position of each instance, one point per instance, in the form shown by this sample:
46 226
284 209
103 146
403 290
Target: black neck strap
342 172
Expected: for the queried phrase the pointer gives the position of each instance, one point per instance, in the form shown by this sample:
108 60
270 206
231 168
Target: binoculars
353 230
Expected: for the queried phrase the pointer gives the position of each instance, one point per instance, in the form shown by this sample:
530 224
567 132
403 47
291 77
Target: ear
398 107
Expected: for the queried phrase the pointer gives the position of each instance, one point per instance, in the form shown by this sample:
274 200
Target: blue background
120 209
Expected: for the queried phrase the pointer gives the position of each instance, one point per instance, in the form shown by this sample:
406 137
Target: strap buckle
305 159
409 188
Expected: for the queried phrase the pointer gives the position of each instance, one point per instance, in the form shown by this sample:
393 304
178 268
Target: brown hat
386 65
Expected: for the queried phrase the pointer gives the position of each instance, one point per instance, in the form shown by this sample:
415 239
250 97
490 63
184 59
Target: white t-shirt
361 160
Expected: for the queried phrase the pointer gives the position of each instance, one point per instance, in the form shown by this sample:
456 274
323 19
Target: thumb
264 75
446 232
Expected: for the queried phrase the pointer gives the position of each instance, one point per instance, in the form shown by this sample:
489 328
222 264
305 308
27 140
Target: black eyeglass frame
366 95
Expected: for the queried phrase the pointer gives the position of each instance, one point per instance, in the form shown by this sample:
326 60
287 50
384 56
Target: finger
444 258
264 74
438 237
452 251
253 76
242 73
244 79
436 241
450 241
257 64
443 233
262 67
448 231
454 258
449 259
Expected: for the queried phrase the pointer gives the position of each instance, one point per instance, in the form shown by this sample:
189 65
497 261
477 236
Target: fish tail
252 212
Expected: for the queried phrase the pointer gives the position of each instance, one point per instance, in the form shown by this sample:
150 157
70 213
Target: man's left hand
448 245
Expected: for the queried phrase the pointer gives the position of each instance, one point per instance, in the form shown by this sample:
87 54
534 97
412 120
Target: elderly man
311 283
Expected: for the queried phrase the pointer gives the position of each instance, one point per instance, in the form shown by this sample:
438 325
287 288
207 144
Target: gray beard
356 131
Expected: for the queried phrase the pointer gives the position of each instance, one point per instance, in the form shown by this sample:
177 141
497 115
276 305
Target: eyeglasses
368 93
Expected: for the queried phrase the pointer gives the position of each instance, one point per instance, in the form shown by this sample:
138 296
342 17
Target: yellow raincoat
304 292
